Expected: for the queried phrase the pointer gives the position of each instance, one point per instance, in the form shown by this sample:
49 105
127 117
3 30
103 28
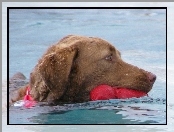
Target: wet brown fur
71 68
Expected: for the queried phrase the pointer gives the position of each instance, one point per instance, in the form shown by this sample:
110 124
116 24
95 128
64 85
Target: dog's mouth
105 92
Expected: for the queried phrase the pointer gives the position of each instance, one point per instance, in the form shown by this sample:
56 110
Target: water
114 111
138 34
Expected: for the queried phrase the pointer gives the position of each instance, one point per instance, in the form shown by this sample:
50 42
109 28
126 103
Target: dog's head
70 69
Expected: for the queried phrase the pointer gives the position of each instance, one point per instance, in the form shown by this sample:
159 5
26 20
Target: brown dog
70 69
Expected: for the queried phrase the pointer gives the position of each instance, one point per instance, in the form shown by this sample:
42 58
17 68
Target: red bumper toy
105 92
28 100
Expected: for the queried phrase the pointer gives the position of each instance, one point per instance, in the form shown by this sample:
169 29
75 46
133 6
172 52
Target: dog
71 68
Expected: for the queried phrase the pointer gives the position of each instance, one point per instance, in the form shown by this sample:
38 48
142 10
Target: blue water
115 111
140 35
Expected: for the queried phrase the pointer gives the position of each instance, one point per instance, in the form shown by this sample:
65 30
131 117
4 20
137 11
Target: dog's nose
151 77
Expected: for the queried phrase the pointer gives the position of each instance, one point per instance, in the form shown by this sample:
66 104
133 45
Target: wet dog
71 68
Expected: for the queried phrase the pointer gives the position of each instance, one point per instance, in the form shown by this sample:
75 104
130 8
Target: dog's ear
54 69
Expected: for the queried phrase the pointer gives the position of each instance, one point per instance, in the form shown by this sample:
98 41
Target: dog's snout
151 77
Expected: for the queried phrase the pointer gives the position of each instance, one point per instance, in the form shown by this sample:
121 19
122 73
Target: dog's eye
109 58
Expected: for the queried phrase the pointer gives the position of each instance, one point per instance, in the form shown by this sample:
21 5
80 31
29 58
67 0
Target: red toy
105 92
28 100
101 92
